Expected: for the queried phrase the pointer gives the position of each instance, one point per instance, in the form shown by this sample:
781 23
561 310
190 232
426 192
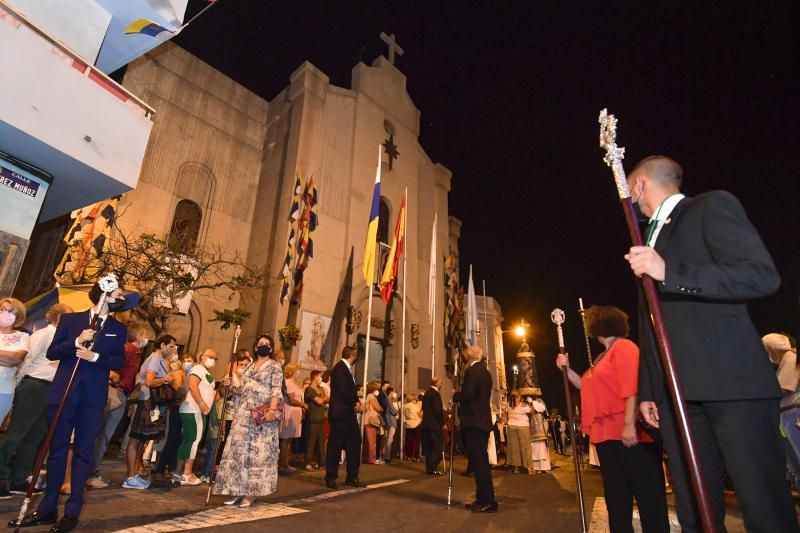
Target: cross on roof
391 42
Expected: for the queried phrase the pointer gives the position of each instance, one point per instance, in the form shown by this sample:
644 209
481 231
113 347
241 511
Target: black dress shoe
434 473
470 506
485 508
355 483
34 519
67 523
331 483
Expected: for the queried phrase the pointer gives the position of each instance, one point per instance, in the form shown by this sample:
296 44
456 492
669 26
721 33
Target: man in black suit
708 261
345 433
476 423
432 426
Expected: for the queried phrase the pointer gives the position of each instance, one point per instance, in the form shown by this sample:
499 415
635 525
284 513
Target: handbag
163 395
113 401
375 421
263 414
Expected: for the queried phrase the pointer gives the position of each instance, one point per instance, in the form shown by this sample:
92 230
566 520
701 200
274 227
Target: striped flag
294 214
305 243
395 253
372 230
432 273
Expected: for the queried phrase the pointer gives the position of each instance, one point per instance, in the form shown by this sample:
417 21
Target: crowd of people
167 410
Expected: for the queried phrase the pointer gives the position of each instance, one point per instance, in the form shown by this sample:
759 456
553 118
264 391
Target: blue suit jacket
91 377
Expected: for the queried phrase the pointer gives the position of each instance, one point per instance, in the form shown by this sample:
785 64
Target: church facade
230 159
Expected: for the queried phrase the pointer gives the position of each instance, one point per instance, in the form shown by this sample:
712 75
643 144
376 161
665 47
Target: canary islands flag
146 27
372 230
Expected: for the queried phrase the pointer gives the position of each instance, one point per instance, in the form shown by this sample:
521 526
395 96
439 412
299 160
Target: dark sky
510 93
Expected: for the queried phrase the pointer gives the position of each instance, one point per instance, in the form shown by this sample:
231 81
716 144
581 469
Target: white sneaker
380 462
192 480
97 482
136 483
205 479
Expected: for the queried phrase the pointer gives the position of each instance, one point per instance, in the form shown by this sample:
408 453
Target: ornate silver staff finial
108 283
558 317
614 154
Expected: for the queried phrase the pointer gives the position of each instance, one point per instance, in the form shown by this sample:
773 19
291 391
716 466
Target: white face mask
7 319
209 363
187 367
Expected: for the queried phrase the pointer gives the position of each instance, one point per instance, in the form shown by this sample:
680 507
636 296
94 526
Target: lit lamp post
528 382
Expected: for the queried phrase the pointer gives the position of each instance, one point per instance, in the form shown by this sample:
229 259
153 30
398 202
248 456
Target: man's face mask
116 305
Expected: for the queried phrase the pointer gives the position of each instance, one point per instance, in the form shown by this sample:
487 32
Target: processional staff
453 415
613 158
558 317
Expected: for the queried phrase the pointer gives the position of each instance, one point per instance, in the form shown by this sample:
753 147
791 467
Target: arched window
383 221
185 227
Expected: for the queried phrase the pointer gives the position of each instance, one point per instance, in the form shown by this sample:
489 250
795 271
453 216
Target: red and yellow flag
395 253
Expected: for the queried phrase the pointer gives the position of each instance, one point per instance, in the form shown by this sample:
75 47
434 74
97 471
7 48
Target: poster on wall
22 192
313 328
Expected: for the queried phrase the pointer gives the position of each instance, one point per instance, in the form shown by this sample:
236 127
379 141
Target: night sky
510 93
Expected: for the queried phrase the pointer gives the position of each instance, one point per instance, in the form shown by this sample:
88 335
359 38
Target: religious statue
528 382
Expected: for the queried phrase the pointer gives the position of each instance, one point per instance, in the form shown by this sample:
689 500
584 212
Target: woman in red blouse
630 462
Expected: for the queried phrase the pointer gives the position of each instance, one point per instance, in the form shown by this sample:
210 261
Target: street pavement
399 497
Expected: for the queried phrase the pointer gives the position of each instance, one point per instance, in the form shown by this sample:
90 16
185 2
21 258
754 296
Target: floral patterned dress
249 465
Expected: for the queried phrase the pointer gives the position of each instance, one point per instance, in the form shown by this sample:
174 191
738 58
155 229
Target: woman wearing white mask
14 346
194 411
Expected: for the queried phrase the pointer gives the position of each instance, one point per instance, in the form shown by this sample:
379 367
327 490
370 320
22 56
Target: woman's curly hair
606 321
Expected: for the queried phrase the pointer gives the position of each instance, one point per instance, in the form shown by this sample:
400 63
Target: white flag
432 276
472 312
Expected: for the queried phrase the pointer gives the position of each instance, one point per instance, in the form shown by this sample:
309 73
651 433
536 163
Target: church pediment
386 85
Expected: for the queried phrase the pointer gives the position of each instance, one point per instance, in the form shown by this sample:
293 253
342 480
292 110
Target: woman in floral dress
249 466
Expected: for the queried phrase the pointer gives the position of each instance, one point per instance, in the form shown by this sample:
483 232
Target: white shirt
11 342
205 387
661 216
36 364
103 319
350 368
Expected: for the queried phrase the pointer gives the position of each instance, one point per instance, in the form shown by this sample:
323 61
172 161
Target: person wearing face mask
708 262
168 448
28 418
99 352
14 346
120 385
224 394
149 422
317 413
249 465
194 412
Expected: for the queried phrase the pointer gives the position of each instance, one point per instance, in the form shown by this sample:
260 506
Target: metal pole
403 349
557 316
221 433
613 158
582 313
366 367
453 416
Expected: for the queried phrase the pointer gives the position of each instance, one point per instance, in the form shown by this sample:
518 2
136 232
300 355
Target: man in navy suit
432 426
83 408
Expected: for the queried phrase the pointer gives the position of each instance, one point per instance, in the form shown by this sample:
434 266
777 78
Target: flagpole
403 349
432 288
486 325
209 6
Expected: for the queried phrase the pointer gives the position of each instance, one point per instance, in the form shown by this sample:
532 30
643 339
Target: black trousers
630 473
432 445
315 445
744 435
345 435
476 442
169 456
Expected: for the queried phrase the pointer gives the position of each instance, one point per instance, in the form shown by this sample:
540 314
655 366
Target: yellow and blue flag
372 230
146 27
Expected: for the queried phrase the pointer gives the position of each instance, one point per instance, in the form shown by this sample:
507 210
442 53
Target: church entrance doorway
375 367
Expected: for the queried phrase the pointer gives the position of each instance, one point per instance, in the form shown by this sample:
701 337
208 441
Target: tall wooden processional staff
613 158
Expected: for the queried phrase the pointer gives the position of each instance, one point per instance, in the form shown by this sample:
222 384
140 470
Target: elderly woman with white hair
784 356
